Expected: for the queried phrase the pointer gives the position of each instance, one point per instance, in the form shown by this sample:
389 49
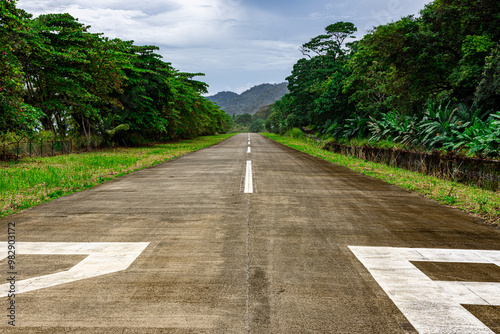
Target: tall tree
142 104
74 82
465 31
488 91
69 73
310 76
15 115
331 43
387 73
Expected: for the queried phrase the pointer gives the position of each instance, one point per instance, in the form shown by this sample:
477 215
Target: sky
237 43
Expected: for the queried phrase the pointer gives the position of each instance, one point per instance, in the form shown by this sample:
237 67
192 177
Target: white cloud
173 22
235 42
113 22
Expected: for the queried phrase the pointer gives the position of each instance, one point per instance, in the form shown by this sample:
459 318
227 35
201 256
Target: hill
250 101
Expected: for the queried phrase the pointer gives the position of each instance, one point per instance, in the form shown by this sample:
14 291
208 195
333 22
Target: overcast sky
236 43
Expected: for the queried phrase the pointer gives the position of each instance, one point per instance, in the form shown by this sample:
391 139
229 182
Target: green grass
28 182
478 202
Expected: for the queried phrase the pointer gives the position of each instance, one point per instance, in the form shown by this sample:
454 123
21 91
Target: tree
257 126
439 56
390 70
10 69
244 119
488 91
333 106
15 115
330 43
144 100
465 32
278 120
57 75
311 76
264 112
70 73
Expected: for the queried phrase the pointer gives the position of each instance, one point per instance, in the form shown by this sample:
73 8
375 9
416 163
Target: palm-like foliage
394 126
438 125
353 127
456 129
480 137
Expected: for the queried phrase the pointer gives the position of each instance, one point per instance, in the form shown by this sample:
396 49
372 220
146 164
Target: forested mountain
250 101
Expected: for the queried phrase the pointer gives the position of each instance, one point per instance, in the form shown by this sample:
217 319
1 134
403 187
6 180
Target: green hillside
250 101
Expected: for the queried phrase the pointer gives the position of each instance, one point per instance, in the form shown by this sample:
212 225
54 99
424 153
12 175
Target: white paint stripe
431 306
248 179
249 150
249 142
103 258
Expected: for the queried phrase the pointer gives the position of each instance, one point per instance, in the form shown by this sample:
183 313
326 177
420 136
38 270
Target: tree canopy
447 58
55 75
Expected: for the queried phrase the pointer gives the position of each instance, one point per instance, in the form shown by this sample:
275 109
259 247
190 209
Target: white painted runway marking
248 178
431 306
249 150
103 258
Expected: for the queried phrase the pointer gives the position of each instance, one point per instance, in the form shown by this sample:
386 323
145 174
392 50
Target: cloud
172 22
235 42
211 36
367 14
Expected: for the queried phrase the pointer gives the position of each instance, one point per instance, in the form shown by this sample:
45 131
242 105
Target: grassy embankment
478 202
31 181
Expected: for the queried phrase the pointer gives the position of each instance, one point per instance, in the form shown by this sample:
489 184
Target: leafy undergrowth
29 182
481 203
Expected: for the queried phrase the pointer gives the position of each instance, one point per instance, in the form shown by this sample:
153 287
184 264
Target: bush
295 133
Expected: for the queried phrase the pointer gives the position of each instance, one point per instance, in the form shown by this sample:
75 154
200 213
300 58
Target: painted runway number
102 258
431 306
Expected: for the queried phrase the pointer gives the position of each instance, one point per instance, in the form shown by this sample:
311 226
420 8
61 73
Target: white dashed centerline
248 179
248 174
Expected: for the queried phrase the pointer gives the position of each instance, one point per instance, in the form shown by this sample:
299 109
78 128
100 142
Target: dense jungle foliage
252 123
431 81
60 80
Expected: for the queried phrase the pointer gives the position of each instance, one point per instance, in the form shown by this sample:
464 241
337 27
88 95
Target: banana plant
394 126
354 127
437 125
479 137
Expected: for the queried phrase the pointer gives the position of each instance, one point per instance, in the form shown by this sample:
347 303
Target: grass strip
31 181
481 203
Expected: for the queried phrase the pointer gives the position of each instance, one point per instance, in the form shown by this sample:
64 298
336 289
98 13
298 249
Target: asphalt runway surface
249 236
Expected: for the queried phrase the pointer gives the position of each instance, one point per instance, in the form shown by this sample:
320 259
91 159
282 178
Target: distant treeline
431 81
57 76
252 123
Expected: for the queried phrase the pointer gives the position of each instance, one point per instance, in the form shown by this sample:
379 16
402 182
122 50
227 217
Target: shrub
295 133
